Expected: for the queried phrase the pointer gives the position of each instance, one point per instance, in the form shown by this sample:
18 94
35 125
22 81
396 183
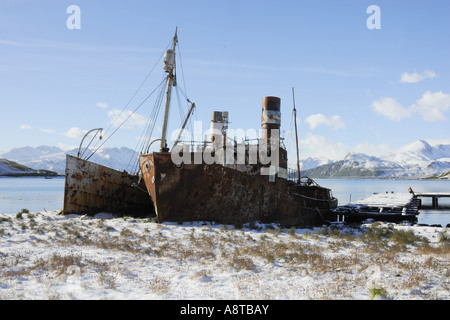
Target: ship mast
169 64
296 138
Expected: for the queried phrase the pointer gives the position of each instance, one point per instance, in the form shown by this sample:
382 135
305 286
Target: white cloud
319 146
25 127
66 147
131 119
317 119
416 77
432 106
103 105
49 131
373 150
391 109
75 132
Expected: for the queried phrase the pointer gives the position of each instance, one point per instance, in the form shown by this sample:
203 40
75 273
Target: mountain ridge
419 159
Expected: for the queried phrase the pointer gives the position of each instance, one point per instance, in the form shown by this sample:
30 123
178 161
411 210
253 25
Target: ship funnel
219 126
270 117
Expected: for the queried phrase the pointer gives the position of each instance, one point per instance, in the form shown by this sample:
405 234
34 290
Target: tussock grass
377 291
369 257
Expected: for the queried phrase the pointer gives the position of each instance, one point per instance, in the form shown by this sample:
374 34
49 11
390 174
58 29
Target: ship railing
314 202
201 145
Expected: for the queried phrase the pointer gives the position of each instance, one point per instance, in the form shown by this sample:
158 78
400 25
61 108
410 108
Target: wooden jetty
389 207
433 195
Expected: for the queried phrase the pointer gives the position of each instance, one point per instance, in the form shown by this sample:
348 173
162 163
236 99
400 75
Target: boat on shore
232 192
91 188
218 180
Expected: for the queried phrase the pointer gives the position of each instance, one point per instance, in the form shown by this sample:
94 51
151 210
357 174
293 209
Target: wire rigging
184 93
128 103
87 148
145 139
129 115
146 135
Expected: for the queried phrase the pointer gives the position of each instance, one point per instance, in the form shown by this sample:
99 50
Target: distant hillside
311 162
340 169
442 176
416 160
14 169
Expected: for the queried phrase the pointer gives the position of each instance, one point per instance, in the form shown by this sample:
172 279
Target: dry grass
373 258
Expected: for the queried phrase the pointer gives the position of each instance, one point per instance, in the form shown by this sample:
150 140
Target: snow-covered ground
50 256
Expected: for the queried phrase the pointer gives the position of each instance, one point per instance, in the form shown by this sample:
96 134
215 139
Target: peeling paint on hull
91 188
191 192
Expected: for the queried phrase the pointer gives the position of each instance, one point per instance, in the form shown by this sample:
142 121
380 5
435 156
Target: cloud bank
416 77
318 119
432 106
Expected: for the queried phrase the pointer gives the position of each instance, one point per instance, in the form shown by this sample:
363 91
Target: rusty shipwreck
218 179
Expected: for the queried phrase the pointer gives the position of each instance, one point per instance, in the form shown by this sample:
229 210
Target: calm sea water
39 194
35 194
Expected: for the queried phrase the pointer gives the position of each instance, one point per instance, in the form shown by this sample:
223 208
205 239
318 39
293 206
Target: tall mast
296 138
169 64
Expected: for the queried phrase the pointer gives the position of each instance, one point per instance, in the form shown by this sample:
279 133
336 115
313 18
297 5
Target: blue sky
356 89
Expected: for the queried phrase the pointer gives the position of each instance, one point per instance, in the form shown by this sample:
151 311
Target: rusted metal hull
91 188
202 192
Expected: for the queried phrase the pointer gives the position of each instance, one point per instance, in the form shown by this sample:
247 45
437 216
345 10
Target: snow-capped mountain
421 151
54 158
422 158
313 162
419 159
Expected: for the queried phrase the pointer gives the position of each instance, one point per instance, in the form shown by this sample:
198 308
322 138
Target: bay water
39 194
32 193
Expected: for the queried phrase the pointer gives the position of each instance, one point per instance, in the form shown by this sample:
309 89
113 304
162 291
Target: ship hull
202 192
91 188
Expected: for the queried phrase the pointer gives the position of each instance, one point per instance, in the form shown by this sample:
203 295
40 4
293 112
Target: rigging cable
87 148
147 132
128 103
184 93
125 120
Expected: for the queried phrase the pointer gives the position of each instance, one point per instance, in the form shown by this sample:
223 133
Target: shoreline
31 175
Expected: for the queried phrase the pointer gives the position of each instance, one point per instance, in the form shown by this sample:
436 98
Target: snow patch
47 255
